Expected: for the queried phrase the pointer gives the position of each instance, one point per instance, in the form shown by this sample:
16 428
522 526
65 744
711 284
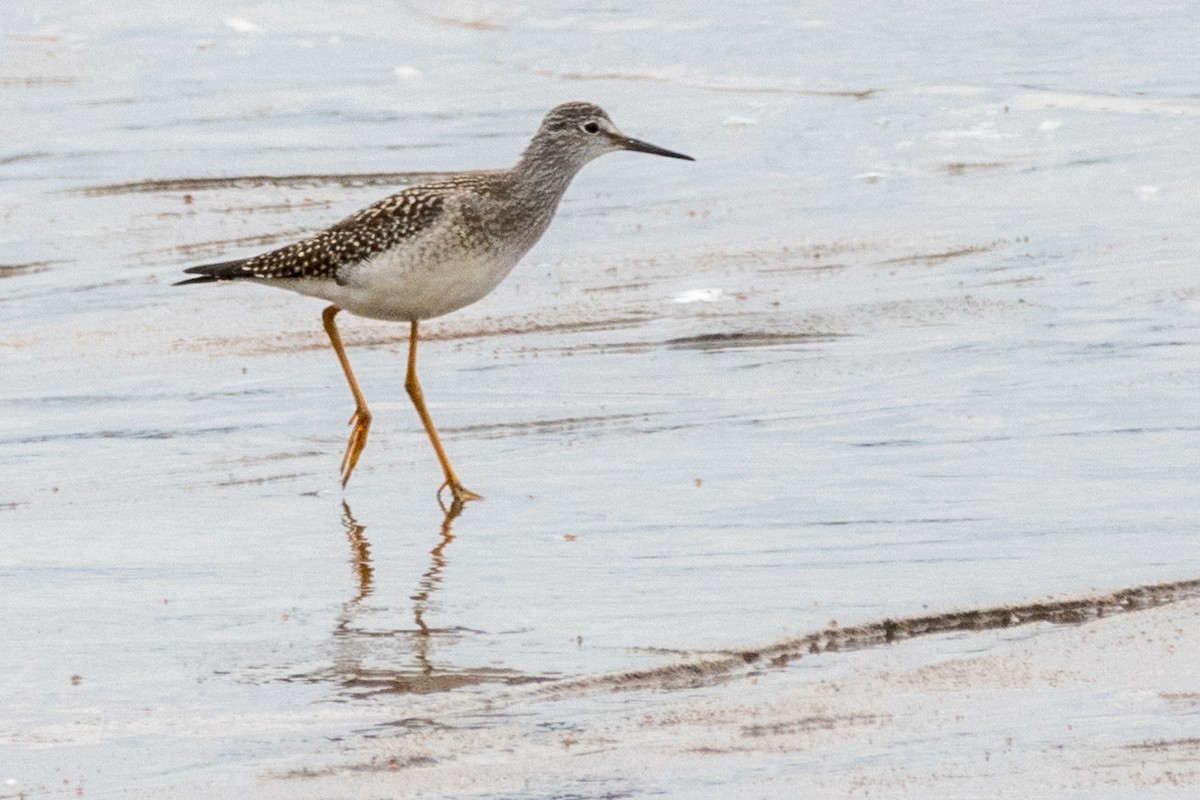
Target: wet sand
1098 705
857 458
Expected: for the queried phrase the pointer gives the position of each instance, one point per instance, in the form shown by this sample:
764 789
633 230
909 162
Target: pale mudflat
917 334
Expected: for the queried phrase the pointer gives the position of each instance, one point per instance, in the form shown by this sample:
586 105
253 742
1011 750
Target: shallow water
918 331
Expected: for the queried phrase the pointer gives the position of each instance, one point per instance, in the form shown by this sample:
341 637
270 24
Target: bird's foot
360 423
460 493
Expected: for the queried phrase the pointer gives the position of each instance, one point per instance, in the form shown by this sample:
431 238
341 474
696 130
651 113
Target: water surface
917 332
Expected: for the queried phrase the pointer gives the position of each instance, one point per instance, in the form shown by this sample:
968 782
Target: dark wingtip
211 273
201 279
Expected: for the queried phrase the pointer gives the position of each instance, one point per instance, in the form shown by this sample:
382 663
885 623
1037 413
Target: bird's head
582 131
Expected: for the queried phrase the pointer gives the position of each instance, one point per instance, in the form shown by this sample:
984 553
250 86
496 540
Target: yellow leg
413 386
360 420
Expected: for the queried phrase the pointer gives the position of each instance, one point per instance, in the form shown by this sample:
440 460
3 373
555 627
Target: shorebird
432 249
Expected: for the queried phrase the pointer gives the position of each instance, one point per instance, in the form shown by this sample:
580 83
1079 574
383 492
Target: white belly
411 283
390 286
445 267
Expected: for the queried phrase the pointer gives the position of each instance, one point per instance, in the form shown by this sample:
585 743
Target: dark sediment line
708 670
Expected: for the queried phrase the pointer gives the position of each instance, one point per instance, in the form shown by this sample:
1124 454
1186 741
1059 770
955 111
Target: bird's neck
544 173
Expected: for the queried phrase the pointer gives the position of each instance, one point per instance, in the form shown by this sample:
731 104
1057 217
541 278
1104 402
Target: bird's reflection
360 559
361 666
364 573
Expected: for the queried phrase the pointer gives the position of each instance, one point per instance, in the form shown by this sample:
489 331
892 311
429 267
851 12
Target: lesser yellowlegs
432 249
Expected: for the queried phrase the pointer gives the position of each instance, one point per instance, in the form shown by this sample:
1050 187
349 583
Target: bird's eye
591 127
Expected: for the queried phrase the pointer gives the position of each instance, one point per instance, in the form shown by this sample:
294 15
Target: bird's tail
211 273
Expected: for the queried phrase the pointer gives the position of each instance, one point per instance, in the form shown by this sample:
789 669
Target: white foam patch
241 25
984 130
698 296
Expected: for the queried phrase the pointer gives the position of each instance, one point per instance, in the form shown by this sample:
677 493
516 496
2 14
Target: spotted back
372 230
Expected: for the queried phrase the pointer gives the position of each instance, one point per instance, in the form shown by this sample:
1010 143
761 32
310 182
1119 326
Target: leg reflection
360 554
429 583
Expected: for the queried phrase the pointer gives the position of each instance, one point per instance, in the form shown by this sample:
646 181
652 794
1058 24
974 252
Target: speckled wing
322 256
